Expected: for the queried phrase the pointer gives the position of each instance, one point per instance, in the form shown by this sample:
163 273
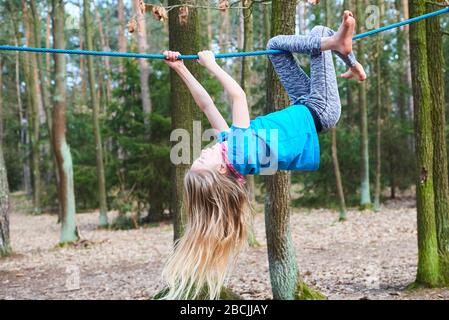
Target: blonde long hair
218 215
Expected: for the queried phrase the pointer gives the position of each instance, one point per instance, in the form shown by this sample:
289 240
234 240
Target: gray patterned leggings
320 91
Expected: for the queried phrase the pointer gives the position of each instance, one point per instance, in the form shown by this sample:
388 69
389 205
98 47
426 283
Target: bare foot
343 37
356 71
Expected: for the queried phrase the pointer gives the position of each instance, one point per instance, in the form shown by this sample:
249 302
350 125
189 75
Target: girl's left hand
206 58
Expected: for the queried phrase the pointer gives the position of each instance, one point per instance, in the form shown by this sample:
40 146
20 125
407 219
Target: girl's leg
324 97
293 78
295 81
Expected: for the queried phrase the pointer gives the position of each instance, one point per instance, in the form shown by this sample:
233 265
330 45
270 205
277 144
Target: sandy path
372 255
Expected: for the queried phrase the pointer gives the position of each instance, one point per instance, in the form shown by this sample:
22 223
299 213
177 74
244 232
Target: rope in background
219 55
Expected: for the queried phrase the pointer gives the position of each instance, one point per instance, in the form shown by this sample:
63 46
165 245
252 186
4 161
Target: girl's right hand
171 58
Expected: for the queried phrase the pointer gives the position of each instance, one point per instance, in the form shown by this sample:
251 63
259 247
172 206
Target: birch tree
69 230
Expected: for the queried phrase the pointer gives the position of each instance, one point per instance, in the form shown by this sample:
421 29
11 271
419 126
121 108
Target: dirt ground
373 255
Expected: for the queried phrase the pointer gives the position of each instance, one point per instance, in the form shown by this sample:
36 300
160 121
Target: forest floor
373 255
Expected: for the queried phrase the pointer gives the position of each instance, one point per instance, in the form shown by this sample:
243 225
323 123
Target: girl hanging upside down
215 197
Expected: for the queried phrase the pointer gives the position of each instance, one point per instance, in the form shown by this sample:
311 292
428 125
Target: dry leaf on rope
223 5
183 15
159 13
132 24
314 2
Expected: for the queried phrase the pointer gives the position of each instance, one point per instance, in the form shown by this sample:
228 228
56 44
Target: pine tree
365 197
69 230
378 71
440 172
95 117
142 44
428 266
335 162
34 107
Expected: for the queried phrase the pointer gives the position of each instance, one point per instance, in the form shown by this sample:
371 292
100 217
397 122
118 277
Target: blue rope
399 24
218 56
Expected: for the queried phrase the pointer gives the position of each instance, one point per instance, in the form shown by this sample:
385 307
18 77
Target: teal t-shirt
283 140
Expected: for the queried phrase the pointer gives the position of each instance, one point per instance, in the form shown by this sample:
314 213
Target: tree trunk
389 128
428 266
1 100
106 60
338 180
23 146
47 56
266 24
209 27
83 83
440 172
5 246
35 107
348 5
286 281
121 34
43 80
408 69
379 51
182 38
365 197
335 162
69 230
223 37
103 222
122 47
41 70
401 98
23 132
142 45
408 72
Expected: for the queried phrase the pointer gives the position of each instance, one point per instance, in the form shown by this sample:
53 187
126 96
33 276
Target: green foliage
123 222
5 251
138 168
143 166
81 139
14 168
303 292
12 151
319 187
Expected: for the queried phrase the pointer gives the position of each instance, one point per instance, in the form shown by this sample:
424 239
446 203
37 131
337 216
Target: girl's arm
240 113
200 95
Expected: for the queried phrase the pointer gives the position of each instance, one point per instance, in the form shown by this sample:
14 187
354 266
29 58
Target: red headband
224 152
